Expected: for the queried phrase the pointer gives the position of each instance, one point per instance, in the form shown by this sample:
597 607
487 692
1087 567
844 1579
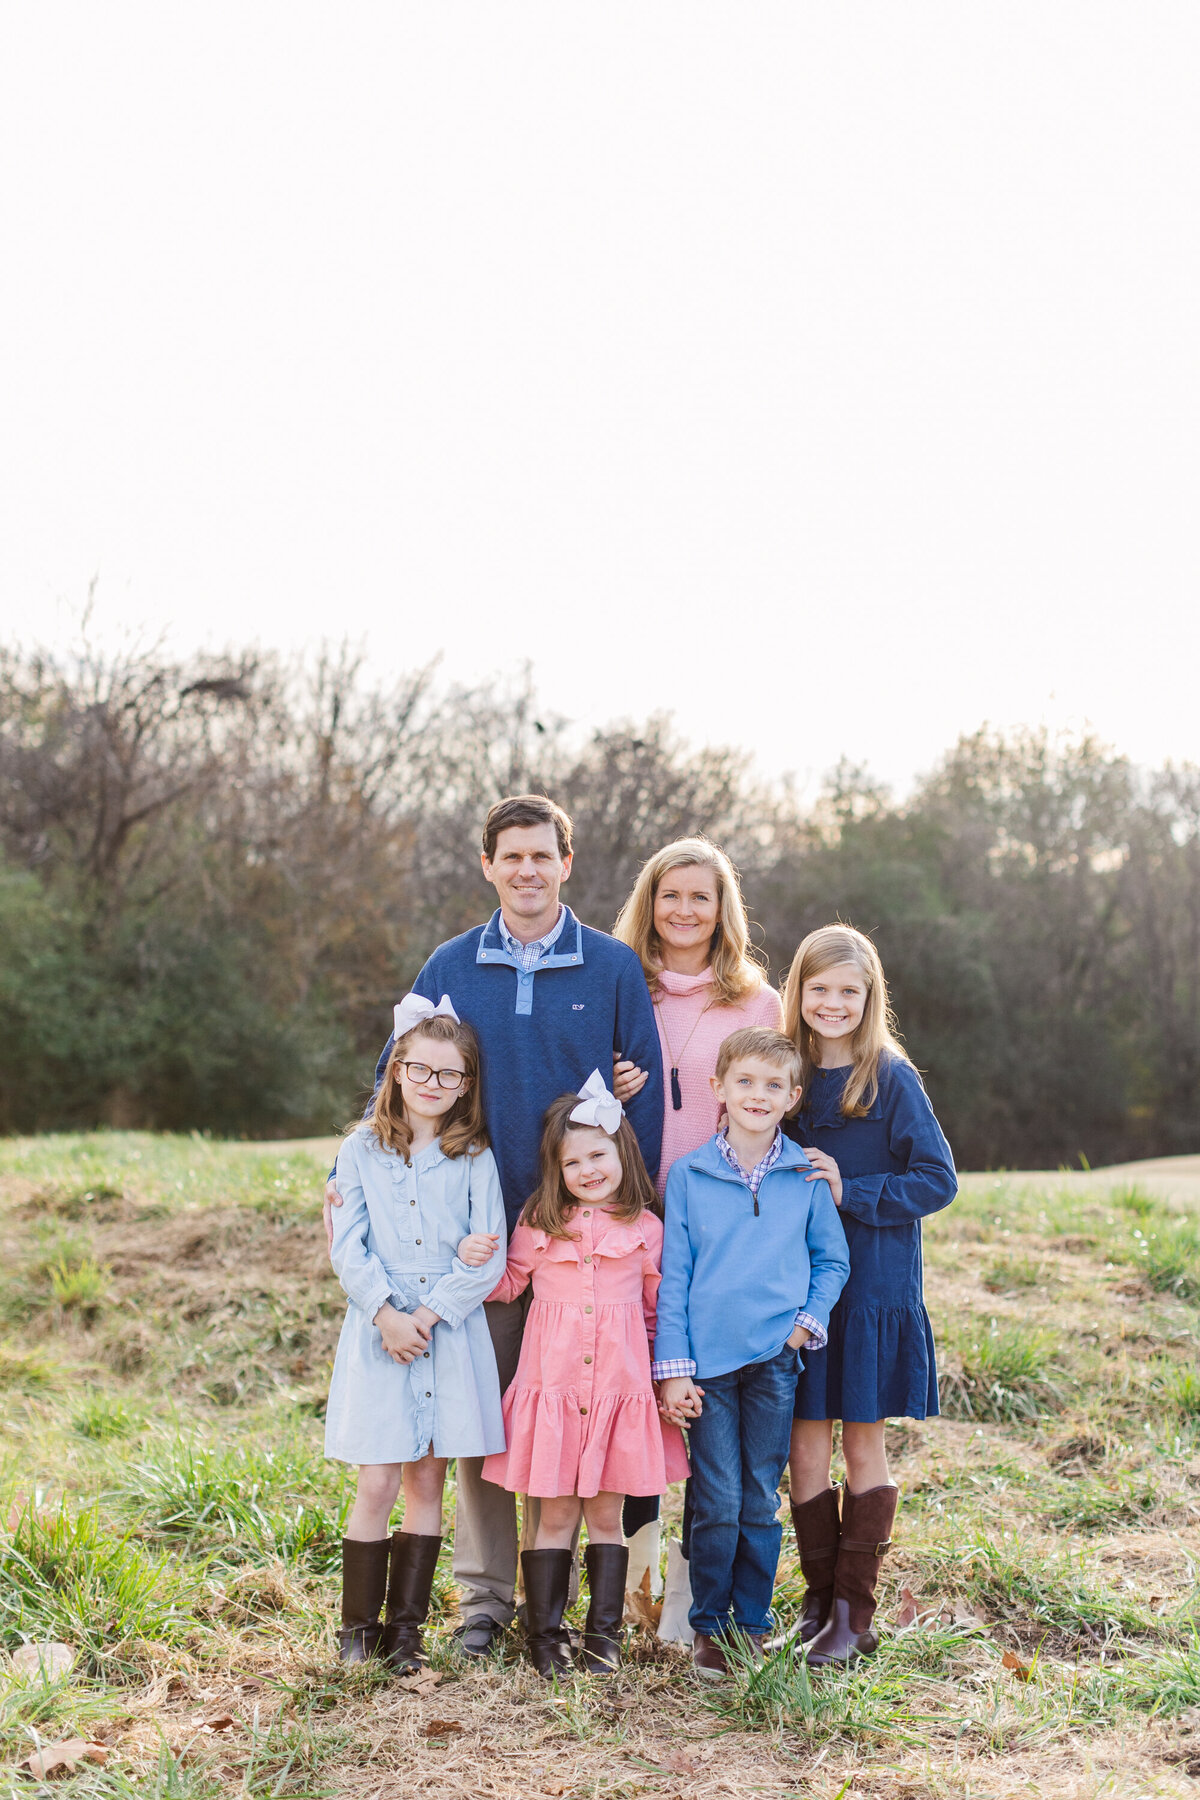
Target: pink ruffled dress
580 1416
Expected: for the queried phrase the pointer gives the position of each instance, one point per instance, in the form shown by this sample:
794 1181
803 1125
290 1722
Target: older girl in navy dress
869 1130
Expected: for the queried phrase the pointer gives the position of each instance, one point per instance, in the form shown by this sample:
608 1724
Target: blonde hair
762 1042
550 1206
462 1128
875 1036
736 963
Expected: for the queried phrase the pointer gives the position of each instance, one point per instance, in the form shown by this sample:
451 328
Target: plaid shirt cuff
818 1337
676 1369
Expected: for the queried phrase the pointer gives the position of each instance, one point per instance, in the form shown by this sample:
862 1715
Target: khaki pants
486 1543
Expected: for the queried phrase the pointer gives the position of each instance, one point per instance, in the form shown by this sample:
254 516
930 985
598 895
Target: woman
686 920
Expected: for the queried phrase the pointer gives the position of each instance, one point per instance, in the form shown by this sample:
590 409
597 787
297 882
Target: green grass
67 1576
1005 1273
168 1327
1004 1373
243 1503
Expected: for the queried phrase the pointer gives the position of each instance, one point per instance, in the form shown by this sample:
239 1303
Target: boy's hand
800 1336
825 1169
628 1079
679 1399
403 1337
479 1248
332 1199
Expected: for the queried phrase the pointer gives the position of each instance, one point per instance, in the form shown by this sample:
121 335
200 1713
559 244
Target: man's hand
332 1199
479 1248
800 1336
825 1169
403 1337
679 1399
628 1079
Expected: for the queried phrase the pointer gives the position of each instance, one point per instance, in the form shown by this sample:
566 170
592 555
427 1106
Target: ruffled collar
671 983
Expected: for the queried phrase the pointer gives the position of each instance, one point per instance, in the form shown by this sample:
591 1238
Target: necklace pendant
676 1094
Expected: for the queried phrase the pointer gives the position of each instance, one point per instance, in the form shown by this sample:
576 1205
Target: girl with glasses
414 1381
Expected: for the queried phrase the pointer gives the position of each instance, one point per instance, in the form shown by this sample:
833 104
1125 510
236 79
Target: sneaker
708 1658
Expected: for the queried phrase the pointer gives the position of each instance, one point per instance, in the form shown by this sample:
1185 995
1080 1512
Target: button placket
588 1265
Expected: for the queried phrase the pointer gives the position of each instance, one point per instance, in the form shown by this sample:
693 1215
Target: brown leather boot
364 1579
410 1583
547 1575
866 1537
607 1565
818 1528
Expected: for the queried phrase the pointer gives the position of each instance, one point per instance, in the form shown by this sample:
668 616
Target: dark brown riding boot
410 1583
364 1579
818 1528
607 1566
547 1576
866 1537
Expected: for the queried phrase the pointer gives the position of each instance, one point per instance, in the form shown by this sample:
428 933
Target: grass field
167 1322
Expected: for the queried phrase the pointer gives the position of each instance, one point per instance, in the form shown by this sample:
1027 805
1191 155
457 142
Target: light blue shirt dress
394 1238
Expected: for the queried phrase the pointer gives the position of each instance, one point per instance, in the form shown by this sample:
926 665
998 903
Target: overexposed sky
829 375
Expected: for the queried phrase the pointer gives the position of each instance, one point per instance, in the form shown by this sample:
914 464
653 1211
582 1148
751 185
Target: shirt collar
767 1161
516 948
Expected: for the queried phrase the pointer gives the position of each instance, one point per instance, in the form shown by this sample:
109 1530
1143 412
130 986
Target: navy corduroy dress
896 1168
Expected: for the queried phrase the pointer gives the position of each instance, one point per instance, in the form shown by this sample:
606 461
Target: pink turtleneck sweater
678 1006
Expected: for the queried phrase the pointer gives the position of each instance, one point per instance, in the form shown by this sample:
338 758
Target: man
550 1000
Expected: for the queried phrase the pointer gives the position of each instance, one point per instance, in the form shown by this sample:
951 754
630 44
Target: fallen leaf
49 1658
679 1763
640 1609
64 1758
910 1609
217 1721
1019 1669
967 1619
441 1728
422 1683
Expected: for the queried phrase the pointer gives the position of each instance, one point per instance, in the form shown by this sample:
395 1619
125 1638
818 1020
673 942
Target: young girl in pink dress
581 1419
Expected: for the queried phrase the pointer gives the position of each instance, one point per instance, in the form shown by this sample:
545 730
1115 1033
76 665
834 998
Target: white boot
673 1626
645 1551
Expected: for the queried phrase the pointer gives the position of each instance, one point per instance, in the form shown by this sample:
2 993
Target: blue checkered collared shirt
527 956
817 1335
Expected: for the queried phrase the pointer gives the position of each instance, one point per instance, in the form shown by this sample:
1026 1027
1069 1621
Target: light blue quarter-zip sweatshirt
735 1274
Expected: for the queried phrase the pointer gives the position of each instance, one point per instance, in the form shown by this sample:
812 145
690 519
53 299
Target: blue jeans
739 1446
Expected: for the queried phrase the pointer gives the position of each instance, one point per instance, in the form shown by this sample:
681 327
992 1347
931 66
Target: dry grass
167 1320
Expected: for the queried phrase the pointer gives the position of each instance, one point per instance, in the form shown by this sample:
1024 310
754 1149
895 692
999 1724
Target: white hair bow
414 1009
597 1106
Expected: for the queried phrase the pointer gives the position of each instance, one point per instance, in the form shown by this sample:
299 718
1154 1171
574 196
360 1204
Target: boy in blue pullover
754 1257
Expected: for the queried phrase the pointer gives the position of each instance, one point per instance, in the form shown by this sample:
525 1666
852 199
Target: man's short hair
525 809
759 1040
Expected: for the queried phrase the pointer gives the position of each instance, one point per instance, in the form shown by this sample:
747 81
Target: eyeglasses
419 1073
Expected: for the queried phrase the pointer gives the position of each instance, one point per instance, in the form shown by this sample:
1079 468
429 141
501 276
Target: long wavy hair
876 1034
550 1206
736 963
462 1129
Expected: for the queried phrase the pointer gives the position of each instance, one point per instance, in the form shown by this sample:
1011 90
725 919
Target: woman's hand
628 1079
403 1338
479 1248
825 1169
800 1336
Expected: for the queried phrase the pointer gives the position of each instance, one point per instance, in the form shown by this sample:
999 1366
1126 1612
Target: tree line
218 872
